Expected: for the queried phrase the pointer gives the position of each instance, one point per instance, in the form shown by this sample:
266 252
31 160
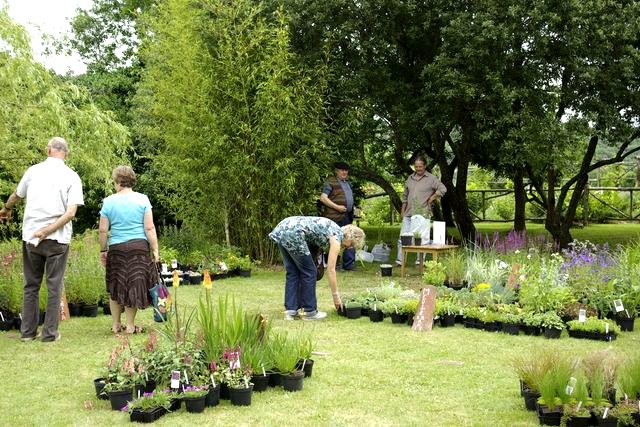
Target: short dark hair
124 176
341 165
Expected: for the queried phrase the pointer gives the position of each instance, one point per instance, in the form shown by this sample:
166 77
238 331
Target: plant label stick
2 316
139 391
617 304
579 406
304 362
175 379
264 374
186 378
605 413
606 328
213 382
582 315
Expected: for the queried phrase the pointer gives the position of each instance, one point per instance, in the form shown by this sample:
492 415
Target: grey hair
355 234
58 143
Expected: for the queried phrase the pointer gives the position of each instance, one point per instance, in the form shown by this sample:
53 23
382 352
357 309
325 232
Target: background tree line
236 109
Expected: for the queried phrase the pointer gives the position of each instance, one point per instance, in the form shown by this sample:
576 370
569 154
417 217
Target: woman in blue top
131 272
294 235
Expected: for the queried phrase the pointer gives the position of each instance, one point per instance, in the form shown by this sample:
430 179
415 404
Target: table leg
404 261
421 256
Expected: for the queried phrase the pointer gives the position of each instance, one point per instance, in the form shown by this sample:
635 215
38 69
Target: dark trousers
348 255
300 282
48 257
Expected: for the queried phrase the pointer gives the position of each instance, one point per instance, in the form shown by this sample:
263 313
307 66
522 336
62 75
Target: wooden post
423 320
585 206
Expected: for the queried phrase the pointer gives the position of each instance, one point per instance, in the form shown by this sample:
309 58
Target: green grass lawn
371 373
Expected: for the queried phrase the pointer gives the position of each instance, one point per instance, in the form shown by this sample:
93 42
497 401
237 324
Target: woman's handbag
317 254
161 299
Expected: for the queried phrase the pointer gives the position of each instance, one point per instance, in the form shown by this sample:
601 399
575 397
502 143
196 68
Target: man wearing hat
337 198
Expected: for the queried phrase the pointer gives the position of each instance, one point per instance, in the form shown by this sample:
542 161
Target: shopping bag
317 255
161 300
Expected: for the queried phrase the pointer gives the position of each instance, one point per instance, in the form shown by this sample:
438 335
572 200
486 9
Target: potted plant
511 322
150 406
120 378
417 238
455 266
353 308
532 322
285 353
410 308
604 417
531 369
375 312
434 273
406 239
305 362
552 324
446 310
626 412
394 308
236 377
593 328
194 397
256 357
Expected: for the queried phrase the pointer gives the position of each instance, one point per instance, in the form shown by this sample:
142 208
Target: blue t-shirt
296 233
125 213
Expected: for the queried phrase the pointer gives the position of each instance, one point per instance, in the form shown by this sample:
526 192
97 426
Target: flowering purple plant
512 241
193 391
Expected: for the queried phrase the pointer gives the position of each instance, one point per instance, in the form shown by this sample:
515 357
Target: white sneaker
399 263
319 315
289 316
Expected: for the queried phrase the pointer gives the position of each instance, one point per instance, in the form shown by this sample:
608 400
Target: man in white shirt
53 193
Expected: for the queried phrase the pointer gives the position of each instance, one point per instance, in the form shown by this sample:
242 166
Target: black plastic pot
244 273
293 381
417 241
241 396
195 279
260 382
119 398
552 333
376 315
147 416
386 270
195 405
213 397
511 328
626 323
90 310
99 384
275 379
530 399
353 312
406 240
75 309
447 320
306 365
398 318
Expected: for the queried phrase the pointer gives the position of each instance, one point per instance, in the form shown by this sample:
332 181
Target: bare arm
67 216
150 232
327 202
334 250
103 234
5 212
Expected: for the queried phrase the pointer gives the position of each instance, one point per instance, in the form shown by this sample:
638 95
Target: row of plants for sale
215 351
600 388
591 290
84 281
594 275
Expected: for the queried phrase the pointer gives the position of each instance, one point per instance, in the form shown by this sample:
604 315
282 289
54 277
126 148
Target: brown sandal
136 330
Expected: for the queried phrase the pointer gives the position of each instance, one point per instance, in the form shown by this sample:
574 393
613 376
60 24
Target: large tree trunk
520 197
457 191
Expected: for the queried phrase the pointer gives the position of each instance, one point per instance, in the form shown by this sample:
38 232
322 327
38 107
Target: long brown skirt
130 273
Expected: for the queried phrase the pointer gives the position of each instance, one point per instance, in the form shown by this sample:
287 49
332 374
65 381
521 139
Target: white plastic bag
423 226
364 256
381 252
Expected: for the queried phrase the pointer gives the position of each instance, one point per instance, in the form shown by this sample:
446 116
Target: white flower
517 251
529 256
521 278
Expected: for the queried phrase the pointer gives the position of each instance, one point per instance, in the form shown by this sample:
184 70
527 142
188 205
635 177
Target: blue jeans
348 255
300 282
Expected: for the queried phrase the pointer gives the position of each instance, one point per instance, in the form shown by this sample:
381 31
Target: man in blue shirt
337 198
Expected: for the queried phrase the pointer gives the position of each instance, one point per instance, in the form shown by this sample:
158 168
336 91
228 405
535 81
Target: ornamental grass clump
148 401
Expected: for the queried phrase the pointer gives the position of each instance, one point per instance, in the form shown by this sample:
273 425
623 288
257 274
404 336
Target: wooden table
434 250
